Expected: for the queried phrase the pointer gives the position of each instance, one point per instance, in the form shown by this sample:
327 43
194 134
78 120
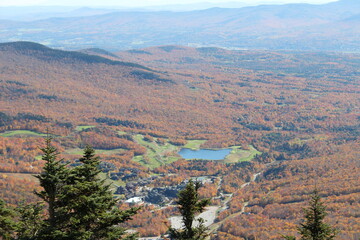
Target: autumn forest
290 118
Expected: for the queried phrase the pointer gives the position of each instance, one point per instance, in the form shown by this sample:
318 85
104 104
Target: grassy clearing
113 184
79 151
83 127
194 144
308 138
161 154
27 133
110 152
240 155
156 154
74 151
141 160
21 176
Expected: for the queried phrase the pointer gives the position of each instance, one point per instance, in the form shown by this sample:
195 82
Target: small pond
205 154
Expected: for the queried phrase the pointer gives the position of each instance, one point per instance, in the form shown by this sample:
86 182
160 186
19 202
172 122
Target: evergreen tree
30 221
189 206
7 224
92 208
79 205
289 237
52 180
313 227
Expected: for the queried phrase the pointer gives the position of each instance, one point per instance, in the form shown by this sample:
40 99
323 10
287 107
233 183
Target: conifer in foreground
7 224
53 180
91 205
313 227
79 204
29 222
190 205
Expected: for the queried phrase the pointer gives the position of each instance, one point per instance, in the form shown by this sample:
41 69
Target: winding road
215 226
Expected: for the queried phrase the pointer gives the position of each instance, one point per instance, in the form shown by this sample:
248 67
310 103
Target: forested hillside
291 120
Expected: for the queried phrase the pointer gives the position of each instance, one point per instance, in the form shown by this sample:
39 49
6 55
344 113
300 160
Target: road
214 227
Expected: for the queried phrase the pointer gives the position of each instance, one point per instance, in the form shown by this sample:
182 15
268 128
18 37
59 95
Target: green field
22 133
162 154
194 144
156 154
113 184
83 127
240 155
79 151
121 133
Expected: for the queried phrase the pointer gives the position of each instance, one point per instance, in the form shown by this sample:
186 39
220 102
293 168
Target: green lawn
22 133
194 144
156 154
83 127
113 184
121 133
79 151
240 155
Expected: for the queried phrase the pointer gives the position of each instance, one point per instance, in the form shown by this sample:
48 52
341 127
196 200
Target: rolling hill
80 87
291 116
332 26
198 91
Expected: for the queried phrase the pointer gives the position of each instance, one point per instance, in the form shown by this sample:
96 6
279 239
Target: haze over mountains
32 13
139 86
334 26
50 8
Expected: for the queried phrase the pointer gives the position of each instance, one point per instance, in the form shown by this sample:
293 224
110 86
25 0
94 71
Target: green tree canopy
313 226
80 206
52 180
30 221
189 205
7 224
91 205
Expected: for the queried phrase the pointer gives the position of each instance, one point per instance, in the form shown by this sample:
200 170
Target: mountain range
333 26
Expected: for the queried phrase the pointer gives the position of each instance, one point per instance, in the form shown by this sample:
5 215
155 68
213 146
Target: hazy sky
137 3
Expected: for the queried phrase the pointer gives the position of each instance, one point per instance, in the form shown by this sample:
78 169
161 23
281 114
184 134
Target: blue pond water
205 154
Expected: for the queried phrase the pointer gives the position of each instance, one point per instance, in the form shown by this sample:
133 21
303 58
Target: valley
289 119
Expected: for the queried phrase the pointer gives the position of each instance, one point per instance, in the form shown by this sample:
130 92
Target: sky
139 3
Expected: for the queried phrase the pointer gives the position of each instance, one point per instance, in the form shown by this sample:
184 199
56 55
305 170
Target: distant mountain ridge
290 26
98 52
42 52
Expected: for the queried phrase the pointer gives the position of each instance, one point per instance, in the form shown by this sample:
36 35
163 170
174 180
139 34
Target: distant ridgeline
49 54
331 27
